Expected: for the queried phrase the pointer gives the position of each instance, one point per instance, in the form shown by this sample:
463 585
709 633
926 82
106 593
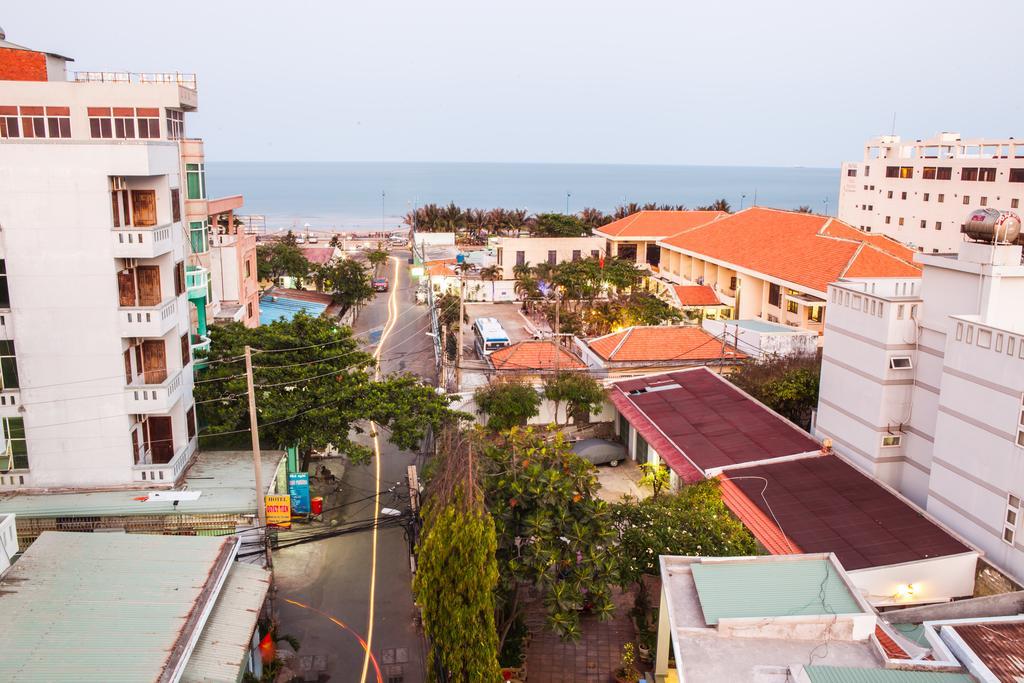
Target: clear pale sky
776 83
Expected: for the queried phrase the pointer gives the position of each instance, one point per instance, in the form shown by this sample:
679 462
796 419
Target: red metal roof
999 645
710 421
826 505
669 454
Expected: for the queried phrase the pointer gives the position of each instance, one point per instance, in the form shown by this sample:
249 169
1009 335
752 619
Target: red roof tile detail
999 645
440 270
318 255
805 249
534 355
657 224
670 455
662 343
892 649
763 527
696 295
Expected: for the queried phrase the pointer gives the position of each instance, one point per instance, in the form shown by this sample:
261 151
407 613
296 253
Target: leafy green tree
377 257
581 393
290 238
455 582
657 477
694 521
507 404
315 387
278 259
347 281
786 384
559 225
553 532
644 308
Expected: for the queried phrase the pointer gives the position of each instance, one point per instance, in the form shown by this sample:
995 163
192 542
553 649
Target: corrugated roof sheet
106 607
836 674
771 589
224 642
999 645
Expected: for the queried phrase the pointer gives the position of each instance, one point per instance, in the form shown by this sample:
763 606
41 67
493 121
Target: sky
781 83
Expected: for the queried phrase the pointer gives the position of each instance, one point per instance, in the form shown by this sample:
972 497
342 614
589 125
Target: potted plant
645 644
627 673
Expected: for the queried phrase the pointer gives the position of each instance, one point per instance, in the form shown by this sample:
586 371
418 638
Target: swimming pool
277 307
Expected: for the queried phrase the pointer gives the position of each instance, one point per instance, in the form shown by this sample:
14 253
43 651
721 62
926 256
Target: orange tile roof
534 355
802 248
440 270
657 344
657 224
696 295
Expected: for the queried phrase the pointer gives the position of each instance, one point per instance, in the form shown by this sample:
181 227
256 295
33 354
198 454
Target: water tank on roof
993 226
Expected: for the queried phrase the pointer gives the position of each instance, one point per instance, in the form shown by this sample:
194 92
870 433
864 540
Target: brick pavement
591 659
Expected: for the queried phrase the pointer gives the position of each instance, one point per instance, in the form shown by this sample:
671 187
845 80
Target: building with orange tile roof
534 358
699 300
636 236
635 350
776 265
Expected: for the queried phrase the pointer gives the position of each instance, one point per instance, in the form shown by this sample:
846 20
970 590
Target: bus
490 336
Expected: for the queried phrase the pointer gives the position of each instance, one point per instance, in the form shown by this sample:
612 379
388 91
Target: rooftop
823 504
998 645
839 674
534 355
696 295
319 255
111 607
699 423
763 326
655 225
804 249
662 344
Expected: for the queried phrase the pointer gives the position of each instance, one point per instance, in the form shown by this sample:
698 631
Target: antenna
893 131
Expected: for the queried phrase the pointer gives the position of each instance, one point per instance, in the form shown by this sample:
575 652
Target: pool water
276 308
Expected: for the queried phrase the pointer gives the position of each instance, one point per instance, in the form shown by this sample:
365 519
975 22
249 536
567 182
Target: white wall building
517 251
102 218
920 192
921 386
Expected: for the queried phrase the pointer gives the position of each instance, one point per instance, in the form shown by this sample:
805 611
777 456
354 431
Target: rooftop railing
184 80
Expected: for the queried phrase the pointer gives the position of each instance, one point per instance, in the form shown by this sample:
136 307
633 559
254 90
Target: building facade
921 386
518 251
104 223
232 264
919 192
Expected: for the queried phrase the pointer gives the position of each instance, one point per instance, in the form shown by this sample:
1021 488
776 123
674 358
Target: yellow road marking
392 319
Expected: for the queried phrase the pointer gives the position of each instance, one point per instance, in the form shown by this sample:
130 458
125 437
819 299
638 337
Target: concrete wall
760 344
934 580
535 249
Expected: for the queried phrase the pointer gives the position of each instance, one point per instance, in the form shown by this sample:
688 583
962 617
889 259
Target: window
775 295
889 195
13 432
179 278
888 220
1020 425
926 195
969 174
851 173
500 257
199 234
120 203
552 256
33 124
900 363
186 355
906 172
892 171
901 220
987 175
577 254
928 173
9 127
899 311
732 283
1014 203
124 122
967 199
175 124
792 306
814 313
175 205
520 258
248 268
773 318
903 196
1017 175
101 125
938 225
892 440
58 122
941 198
248 310
148 122
195 175
867 171
1012 518
984 201
5 295
8 365
924 224
944 173
595 253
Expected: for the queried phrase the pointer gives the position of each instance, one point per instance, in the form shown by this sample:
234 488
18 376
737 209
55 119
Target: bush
507 404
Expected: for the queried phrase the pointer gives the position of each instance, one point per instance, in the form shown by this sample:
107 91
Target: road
334 576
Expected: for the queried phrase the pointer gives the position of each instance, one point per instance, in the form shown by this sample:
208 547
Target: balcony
197 282
150 399
185 83
149 321
142 242
168 472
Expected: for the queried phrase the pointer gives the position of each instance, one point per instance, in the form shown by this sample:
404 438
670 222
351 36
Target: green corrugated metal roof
104 607
224 642
770 588
912 632
836 674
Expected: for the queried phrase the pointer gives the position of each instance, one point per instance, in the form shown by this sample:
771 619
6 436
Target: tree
278 259
717 205
507 404
335 241
803 208
559 225
786 384
553 531
491 273
581 393
315 387
658 477
644 308
347 281
377 257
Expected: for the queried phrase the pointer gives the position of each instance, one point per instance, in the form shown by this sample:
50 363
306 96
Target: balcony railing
146 399
149 321
197 280
168 472
184 80
142 242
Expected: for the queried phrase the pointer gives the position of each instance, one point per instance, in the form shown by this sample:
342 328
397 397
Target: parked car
380 284
599 451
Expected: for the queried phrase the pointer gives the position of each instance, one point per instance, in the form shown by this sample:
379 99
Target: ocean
371 196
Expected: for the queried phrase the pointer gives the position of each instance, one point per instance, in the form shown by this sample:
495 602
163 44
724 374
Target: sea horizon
376 195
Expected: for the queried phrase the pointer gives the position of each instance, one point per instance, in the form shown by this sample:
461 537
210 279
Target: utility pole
414 506
462 325
721 359
257 462
442 372
558 346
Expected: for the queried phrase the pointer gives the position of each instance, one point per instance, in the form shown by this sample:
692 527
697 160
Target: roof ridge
849 262
621 342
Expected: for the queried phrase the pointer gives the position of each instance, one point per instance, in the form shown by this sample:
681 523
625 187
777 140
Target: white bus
490 336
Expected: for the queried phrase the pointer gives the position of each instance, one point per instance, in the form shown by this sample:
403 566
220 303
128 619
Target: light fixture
905 591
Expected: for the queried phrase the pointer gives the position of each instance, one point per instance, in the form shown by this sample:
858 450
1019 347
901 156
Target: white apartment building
103 221
920 192
921 386
518 251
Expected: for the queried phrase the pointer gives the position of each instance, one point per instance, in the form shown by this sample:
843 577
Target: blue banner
298 488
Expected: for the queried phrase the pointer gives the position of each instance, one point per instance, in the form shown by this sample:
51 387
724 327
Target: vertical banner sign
298 487
279 511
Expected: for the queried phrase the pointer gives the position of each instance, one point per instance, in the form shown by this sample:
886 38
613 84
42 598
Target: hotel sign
279 511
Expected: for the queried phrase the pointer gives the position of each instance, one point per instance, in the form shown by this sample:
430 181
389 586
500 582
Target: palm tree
491 273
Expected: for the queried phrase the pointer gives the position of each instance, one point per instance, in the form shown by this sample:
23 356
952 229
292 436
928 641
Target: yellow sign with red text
279 511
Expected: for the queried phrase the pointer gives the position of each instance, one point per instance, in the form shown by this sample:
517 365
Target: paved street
334 575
